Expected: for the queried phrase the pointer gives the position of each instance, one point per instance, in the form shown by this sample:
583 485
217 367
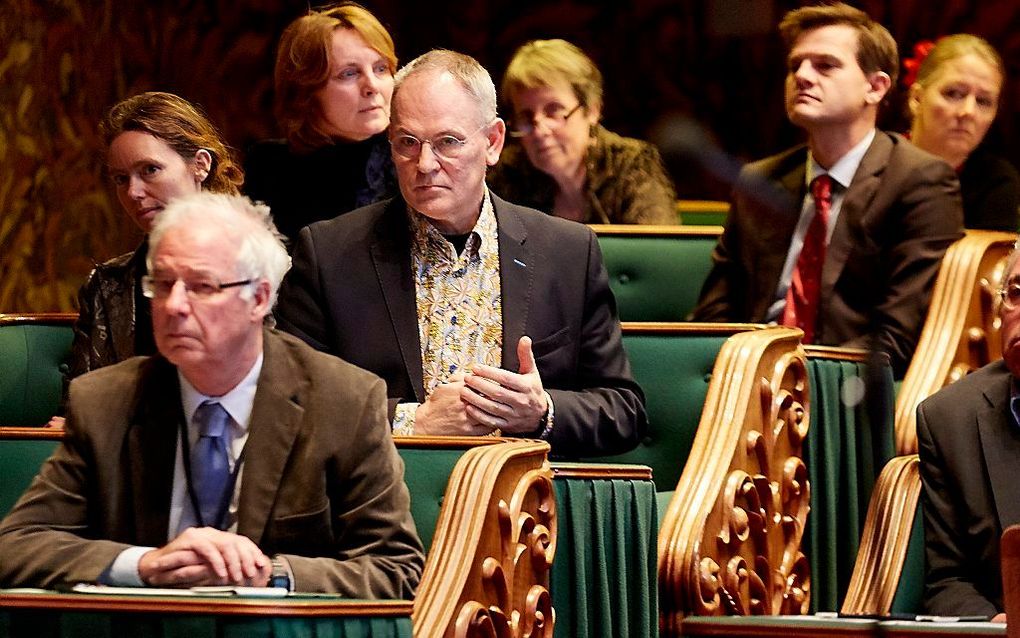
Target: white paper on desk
268 592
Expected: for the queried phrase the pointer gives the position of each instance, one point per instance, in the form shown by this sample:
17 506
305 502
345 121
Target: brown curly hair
183 127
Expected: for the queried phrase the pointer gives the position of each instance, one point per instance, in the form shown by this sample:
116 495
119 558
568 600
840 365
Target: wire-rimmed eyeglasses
1010 295
447 145
158 288
554 119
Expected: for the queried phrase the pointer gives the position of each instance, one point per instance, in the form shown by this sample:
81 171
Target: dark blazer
322 482
351 293
969 449
899 215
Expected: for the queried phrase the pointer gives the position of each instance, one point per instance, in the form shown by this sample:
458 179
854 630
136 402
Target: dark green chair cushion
910 590
656 278
674 371
31 379
20 460
426 472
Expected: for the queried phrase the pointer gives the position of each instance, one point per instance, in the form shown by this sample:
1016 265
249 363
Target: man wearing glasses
483 317
968 439
237 456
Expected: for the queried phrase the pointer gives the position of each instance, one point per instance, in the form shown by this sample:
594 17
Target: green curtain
845 450
603 580
50 624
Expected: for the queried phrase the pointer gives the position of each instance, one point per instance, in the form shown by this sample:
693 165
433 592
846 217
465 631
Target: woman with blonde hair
334 80
158 147
953 102
565 163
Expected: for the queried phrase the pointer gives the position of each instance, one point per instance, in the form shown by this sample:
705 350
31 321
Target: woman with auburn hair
953 102
158 147
565 163
334 80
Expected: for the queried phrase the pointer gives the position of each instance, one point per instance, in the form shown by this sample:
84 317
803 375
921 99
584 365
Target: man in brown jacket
237 456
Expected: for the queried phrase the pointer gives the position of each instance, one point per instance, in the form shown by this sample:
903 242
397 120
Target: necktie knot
211 419
821 189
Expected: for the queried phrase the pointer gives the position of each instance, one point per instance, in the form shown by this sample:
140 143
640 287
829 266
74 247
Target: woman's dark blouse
301 188
991 192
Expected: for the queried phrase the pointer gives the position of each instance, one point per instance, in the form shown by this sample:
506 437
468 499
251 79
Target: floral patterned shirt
460 319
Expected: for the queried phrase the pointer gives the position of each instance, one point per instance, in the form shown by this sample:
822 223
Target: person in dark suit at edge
853 261
482 316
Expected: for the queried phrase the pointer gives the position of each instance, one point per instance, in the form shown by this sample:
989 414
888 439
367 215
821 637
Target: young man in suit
853 260
481 316
236 456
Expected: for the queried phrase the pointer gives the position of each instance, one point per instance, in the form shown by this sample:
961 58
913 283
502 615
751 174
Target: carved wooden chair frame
886 536
730 539
961 332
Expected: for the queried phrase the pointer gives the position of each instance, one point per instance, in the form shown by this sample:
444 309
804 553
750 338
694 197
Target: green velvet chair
22 452
656 272
888 575
33 353
702 212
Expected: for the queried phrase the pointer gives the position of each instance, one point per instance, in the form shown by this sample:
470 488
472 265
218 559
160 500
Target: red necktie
802 297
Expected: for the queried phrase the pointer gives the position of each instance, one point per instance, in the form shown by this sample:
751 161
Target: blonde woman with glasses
564 162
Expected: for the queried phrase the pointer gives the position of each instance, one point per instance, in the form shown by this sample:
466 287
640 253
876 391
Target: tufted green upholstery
426 472
20 459
33 351
656 272
673 364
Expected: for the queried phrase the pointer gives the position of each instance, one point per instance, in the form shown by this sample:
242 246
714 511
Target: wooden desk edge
281 607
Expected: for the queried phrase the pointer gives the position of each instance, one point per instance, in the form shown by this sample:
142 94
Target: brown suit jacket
899 215
322 482
969 448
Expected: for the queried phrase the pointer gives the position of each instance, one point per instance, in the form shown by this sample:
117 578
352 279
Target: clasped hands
486 399
203 556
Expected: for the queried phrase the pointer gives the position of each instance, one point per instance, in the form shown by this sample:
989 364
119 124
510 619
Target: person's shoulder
114 384
780 163
322 367
903 152
970 388
267 151
535 221
355 223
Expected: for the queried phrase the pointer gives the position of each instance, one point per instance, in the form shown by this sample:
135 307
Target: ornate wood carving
961 332
885 539
488 572
730 540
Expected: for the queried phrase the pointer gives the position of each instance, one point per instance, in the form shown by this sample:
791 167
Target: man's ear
495 138
262 299
879 84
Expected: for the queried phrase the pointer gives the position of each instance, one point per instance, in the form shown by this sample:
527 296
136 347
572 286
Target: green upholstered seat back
674 371
32 356
426 472
20 460
910 590
695 212
657 278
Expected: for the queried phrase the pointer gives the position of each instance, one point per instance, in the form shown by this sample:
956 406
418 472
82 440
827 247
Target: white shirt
842 174
238 403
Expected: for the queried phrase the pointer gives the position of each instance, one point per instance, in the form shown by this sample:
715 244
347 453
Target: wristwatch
280 576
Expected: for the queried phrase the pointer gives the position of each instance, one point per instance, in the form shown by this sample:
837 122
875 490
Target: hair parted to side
302 66
183 127
544 62
464 68
876 48
952 47
244 224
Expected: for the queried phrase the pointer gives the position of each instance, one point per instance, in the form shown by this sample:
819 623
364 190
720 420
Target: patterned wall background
63 63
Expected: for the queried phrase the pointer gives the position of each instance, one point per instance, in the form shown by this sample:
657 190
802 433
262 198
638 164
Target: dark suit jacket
899 215
322 482
969 448
351 293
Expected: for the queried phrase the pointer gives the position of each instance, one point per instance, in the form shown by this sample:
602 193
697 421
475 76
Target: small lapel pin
520 263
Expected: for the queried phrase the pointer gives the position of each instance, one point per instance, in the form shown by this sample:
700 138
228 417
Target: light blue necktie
210 468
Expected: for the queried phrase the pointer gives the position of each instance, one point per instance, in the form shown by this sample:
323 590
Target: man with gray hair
236 456
483 317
